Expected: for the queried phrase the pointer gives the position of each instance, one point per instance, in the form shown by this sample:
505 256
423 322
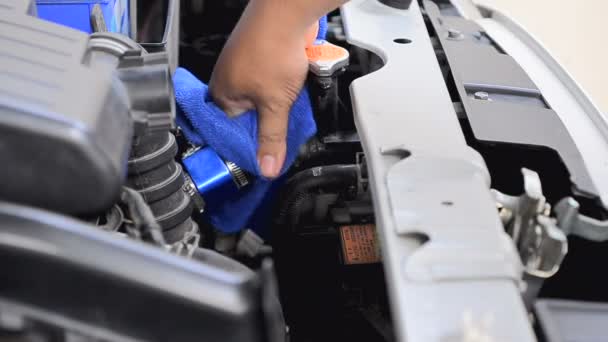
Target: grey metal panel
474 61
408 127
583 120
466 27
518 124
479 66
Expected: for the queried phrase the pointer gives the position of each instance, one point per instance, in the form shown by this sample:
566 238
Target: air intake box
65 128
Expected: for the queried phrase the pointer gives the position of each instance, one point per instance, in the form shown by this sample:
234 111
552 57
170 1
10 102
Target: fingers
233 107
272 138
230 101
312 33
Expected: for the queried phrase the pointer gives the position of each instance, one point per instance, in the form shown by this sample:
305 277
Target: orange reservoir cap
325 58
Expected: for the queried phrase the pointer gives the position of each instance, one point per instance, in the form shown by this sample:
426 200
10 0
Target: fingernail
268 166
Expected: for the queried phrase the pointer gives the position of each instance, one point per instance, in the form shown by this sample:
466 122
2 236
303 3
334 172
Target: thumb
272 139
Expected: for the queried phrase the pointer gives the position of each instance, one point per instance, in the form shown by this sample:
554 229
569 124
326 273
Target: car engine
448 194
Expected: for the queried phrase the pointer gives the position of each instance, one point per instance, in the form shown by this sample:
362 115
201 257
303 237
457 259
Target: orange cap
325 52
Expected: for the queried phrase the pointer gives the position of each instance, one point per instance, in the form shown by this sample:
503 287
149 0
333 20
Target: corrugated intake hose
154 173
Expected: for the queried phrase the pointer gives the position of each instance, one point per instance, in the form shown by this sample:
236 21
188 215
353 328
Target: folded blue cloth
322 28
235 139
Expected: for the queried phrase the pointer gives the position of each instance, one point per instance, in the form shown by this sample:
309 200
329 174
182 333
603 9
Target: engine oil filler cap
325 58
214 178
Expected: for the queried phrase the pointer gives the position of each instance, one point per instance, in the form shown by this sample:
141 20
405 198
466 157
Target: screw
482 95
455 34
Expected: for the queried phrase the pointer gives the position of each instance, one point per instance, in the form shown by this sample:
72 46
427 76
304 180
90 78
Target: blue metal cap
215 179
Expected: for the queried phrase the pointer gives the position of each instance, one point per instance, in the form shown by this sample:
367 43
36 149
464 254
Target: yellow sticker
359 244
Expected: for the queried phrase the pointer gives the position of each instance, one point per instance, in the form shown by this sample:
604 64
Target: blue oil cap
215 179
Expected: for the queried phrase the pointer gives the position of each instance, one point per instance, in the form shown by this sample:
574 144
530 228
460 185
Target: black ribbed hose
302 186
154 173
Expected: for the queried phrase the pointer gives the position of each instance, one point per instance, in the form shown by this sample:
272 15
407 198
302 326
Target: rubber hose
299 187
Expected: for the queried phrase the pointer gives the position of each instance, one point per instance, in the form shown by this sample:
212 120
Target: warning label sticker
359 244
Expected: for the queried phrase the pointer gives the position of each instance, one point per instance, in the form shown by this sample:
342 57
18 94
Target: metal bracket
541 243
573 223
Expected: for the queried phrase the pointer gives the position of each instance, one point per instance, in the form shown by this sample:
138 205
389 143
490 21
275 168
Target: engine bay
399 216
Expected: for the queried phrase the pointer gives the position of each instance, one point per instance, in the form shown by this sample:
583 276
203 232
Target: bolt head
455 34
482 95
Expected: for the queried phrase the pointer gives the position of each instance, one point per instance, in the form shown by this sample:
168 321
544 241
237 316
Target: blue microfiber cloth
322 28
235 139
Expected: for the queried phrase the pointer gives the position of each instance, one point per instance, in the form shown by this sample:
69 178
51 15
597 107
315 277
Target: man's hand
264 66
